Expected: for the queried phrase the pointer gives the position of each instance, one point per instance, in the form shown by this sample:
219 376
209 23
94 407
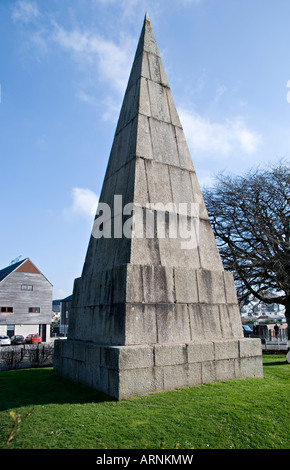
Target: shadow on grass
277 363
278 359
30 387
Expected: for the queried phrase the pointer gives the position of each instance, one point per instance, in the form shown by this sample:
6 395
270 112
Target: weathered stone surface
200 352
186 285
127 357
164 144
144 144
181 185
171 253
158 183
127 371
170 354
180 373
158 284
172 323
155 68
208 372
204 322
140 324
231 295
249 367
202 318
225 370
235 320
249 347
210 287
209 256
139 382
195 374
226 349
141 187
158 101
185 158
153 309
134 284
67 348
136 357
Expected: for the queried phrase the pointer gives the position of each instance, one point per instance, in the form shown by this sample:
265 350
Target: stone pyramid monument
153 309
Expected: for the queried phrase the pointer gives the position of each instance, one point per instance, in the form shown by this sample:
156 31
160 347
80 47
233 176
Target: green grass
238 414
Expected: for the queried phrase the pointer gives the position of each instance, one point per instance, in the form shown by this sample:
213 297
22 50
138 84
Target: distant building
65 307
25 300
56 306
55 317
253 307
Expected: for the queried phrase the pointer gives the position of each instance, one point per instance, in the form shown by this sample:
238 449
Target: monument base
128 371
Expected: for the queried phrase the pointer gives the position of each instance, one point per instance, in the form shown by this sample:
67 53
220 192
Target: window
34 310
6 309
26 287
10 330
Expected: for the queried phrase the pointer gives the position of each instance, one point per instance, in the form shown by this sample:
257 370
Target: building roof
9 269
25 266
67 299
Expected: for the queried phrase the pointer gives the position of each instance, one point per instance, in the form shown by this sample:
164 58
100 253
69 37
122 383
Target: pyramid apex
147 41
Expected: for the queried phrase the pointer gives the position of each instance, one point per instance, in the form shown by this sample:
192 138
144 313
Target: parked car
247 330
4 340
17 339
35 338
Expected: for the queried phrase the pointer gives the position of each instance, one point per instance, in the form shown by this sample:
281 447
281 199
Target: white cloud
110 104
99 59
25 11
249 140
112 60
86 98
188 2
84 202
112 109
221 89
128 8
219 138
105 2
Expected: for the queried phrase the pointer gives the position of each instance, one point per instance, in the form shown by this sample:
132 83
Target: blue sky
64 66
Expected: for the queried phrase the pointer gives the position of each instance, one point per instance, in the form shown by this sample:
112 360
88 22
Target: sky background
64 66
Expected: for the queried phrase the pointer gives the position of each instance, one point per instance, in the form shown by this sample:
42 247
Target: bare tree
250 216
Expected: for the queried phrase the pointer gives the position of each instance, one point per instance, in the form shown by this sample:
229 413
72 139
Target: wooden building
25 301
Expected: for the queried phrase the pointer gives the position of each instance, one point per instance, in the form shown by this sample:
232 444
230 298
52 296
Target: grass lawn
239 414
